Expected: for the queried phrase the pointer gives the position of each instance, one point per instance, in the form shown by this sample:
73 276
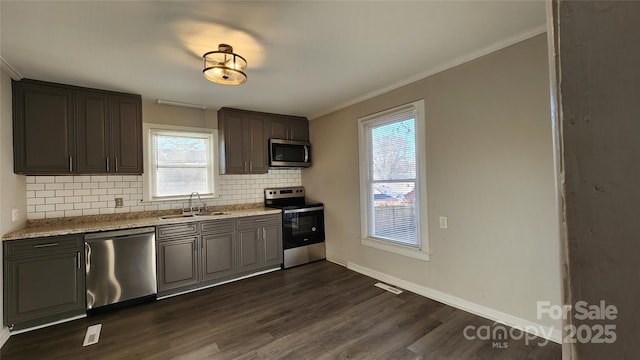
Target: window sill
407 251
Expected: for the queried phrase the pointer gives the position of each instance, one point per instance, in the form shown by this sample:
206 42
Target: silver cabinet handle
264 233
107 159
70 163
45 245
116 164
251 166
78 260
306 153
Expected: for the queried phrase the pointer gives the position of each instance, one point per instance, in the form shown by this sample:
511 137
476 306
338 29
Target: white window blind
391 148
393 190
180 162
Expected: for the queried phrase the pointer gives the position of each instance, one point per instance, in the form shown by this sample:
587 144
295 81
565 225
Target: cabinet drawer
217 226
257 221
45 245
168 232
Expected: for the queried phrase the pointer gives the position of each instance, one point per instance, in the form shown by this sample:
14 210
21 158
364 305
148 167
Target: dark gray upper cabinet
289 128
243 148
126 134
43 129
244 138
102 130
93 132
44 280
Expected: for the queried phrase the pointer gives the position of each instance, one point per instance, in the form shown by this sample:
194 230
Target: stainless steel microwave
289 153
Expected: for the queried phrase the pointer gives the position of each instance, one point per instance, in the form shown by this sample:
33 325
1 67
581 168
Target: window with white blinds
179 162
391 165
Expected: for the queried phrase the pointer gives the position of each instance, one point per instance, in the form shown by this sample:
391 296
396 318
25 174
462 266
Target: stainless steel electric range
302 225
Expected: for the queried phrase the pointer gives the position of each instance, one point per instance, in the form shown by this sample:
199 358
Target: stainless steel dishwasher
120 268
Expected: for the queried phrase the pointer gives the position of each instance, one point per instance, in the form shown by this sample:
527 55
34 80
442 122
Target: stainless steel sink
180 216
175 216
212 213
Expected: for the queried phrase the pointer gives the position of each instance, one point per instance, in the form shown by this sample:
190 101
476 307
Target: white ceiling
305 57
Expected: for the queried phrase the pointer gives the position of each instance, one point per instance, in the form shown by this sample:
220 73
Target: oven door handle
293 211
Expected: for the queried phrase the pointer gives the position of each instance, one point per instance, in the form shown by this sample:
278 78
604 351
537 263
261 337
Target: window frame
421 250
148 176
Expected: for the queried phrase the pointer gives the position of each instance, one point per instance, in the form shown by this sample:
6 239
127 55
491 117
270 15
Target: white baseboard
336 262
4 335
546 332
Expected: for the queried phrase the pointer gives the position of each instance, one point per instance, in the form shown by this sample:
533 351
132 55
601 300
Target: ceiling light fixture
224 67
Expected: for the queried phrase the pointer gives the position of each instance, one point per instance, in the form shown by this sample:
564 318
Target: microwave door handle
306 153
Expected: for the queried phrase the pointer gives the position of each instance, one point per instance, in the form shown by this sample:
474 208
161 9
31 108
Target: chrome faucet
204 206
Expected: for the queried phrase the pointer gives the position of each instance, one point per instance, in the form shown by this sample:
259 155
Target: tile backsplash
65 196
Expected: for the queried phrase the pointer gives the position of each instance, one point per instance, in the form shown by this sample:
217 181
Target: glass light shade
224 67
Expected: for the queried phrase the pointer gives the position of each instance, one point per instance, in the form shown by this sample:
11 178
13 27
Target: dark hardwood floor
317 311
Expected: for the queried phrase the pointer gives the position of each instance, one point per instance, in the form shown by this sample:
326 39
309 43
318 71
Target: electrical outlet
118 202
444 222
15 214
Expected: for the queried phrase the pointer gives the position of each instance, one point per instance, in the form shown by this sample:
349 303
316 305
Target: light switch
444 222
15 214
118 202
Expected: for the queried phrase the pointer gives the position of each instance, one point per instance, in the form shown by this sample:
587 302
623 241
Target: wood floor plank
317 311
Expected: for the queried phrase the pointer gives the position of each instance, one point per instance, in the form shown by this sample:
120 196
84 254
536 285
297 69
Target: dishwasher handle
119 233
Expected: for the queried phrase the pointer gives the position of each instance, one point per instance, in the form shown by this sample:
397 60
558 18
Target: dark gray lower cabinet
43 280
198 254
177 248
218 249
177 263
259 242
248 249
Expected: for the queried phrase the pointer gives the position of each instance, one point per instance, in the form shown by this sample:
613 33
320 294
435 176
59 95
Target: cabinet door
93 132
44 133
43 288
233 128
177 263
217 255
272 242
298 129
126 134
249 249
278 128
257 144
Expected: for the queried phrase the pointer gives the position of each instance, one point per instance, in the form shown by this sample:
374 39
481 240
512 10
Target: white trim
407 251
421 251
336 262
4 335
147 176
546 332
4 65
438 68
48 324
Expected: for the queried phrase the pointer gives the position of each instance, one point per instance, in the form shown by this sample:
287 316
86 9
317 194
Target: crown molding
4 65
439 68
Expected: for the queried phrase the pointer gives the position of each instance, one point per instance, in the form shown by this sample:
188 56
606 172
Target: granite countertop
86 224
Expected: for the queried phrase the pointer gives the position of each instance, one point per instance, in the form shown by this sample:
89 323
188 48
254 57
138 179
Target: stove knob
313 228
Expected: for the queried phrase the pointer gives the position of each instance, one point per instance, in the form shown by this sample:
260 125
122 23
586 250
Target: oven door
302 227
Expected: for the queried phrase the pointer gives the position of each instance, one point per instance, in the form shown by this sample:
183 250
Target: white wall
489 170
12 187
